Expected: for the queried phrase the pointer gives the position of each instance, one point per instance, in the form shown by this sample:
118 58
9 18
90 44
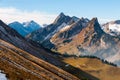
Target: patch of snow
48 36
60 27
114 27
55 31
86 20
66 65
75 18
65 28
25 24
2 76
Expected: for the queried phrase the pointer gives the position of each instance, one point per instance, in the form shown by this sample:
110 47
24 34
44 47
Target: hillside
20 65
95 67
12 37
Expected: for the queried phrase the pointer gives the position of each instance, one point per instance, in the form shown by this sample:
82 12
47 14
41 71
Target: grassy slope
19 65
95 67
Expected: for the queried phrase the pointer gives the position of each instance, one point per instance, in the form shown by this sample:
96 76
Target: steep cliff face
63 26
88 35
47 32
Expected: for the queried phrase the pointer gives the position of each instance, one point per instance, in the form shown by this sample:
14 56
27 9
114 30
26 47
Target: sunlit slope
18 64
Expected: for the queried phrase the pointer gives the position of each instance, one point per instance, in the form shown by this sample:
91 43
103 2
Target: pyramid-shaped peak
61 14
62 18
82 18
95 19
95 24
31 21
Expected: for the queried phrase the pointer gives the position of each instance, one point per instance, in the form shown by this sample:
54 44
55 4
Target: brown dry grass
19 65
95 67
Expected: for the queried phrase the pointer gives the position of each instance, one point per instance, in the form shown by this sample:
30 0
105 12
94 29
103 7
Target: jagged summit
25 28
32 22
95 24
16 22
94 20
76 37
62 18
61 14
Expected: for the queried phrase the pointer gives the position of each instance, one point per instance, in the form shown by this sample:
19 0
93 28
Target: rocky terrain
20 65
112 28
70 48
79 37
23 59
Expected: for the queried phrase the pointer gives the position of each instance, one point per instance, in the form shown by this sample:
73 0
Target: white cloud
102 20
9 15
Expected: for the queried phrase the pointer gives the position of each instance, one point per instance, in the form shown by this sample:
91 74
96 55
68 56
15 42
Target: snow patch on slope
55 31
65 28
114 27
2 76
26 24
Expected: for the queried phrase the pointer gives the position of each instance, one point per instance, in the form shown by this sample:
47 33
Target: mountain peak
75 18
112 27
94 19
117 21
84 20
3 24
62 18
95 24
1 21
8 30
25 28
61 14
16 23
30 23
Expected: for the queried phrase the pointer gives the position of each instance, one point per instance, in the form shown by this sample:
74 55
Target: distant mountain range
32 65
11 36
112 28
25 28
29 51
80 37
32 61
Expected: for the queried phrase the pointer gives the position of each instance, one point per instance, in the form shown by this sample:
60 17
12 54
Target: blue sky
103 9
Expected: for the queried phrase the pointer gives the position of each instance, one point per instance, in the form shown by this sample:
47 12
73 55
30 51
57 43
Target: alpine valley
70 48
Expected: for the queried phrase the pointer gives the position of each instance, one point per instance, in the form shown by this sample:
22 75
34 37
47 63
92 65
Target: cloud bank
9 15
